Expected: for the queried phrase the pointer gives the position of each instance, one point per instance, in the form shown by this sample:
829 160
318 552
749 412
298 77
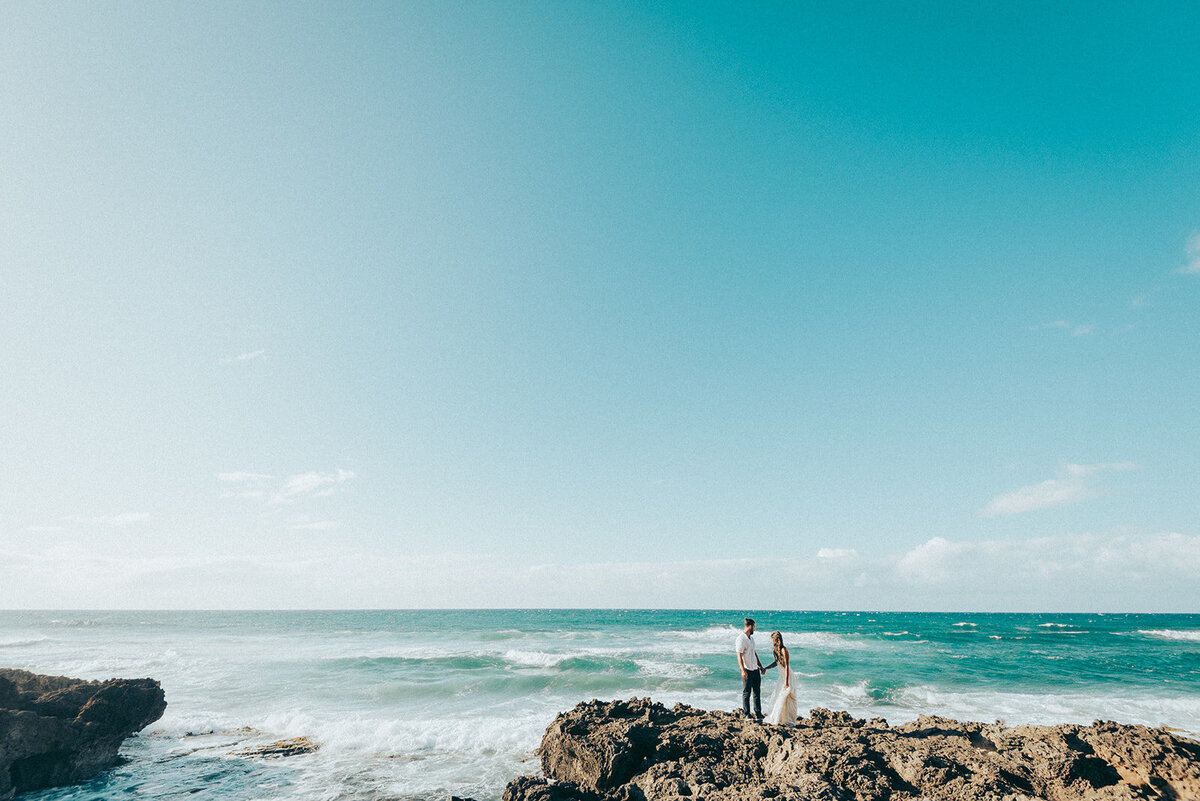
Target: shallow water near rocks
422 705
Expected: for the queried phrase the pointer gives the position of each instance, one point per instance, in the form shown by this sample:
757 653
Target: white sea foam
856 693
1054 625
365 755
22 643
1181 711
534 658
825 641
714 635
362 734
963 624
1172 634
720 639
399 717
670 670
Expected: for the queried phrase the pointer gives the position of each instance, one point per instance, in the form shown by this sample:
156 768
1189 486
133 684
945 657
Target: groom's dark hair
748 621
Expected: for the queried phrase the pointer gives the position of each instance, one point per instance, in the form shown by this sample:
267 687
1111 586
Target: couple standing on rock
783 707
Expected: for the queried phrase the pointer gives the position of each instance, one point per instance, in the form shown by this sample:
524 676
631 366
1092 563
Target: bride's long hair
777 645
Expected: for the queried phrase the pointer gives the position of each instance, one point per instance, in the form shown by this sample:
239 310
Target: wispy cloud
1112 571
315 484
1082 470
1068 488
1050 562
1075 329
256 355
1192 267
837 553
933 561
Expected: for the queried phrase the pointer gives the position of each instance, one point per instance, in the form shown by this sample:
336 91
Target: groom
752 670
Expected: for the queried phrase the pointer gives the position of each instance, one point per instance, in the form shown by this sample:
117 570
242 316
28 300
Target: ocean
424 704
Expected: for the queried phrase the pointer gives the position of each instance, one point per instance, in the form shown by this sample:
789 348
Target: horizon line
734 611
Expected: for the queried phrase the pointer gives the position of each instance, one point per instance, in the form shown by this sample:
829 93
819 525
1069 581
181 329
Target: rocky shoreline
640 750
56 730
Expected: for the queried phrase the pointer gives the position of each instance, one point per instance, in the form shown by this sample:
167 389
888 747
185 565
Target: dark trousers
752 684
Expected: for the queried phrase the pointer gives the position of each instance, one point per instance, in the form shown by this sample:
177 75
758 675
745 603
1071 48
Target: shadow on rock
56 730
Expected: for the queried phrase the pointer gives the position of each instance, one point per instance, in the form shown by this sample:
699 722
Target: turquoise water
420 704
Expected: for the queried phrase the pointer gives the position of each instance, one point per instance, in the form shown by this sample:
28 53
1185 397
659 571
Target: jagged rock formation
637 749
55 730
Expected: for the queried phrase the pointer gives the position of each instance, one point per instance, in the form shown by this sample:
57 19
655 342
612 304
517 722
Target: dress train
784 704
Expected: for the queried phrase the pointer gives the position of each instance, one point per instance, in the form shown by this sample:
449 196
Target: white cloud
1083 470
1111 572
256 355
1062 491
294 487
68 575
929 562
311 484
1048 493
837 553
1193 256
1079 565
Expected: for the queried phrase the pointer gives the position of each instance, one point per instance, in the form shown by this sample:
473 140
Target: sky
570 304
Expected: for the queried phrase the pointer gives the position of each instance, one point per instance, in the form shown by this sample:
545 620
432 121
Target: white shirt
745 647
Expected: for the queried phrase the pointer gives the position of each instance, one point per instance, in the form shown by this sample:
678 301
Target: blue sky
567 304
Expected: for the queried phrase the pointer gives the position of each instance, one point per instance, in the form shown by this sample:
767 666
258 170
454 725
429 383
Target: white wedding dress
783 705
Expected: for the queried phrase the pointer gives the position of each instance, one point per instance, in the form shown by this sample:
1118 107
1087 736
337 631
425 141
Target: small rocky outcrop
639 750
294 746
56 730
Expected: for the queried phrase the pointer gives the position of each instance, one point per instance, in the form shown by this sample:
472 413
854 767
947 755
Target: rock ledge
56 730
640 750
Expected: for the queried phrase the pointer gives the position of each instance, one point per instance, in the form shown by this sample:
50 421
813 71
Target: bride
783 706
